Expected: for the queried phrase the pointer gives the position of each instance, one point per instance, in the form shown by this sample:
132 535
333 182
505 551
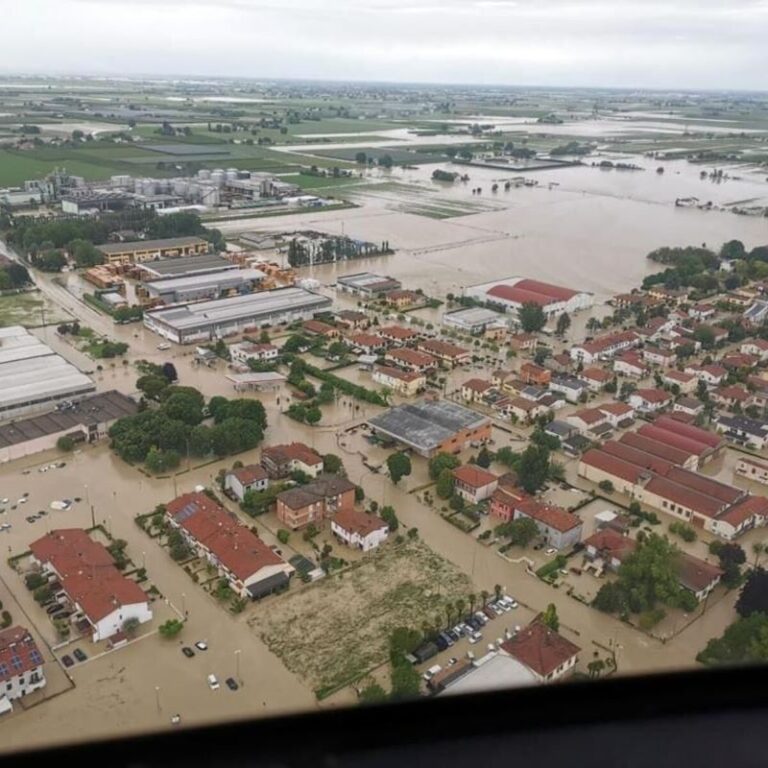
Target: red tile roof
679 376
652 395
399 373
235 546
635 456
356 521
477 385
547 289
696 574
616 409
603 343
87 572
18 653
443 348
744 510
674 439
520 296
474 477
253 473
611 544
293 452
589 415
656 447
695 433
685 496
596 374
553 517
540 648
613 465
411 357
317 326
398 333
366 340
705 485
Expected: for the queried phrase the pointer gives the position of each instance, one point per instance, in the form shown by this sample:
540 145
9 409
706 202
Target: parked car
453 635
5 527
201 645
79 655
30 519
431 672
441 643
176 719
231 683
187 651
489 612
213 683
446 637
475 638
550 551
61 615
53 608
67 661
481 617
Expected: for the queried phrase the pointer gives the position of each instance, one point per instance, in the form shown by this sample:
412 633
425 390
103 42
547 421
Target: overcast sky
651 43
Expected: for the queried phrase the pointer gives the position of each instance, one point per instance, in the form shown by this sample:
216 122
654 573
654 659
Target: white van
431 672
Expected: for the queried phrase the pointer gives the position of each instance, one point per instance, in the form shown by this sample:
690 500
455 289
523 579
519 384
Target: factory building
124 254
202 287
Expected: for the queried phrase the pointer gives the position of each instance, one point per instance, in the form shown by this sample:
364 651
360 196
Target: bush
65 443
685 532
7 620
651 618
33 581
606 486
283 536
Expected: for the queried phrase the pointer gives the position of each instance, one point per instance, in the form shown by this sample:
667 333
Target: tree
733 249
758 548
606 486
373 693
388 515
533 468
152 386
332 464
42 594
386 161
170 628
399 465
532 317
130 626
444 486
754 594
159 460
440 462
705 336
361 158
743 642
595 668
521 532
484 458
65 443
550 618
283 536
506 456
184 406
563 324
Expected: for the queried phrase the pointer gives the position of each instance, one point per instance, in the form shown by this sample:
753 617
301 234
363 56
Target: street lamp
184 604
237 663
144 560
157 698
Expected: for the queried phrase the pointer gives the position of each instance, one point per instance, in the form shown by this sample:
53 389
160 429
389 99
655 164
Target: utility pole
237 663
157 698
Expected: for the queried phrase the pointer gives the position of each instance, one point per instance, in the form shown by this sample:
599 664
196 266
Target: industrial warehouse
125 254
205 286
511 293
225 317
433 426
33 377
182 266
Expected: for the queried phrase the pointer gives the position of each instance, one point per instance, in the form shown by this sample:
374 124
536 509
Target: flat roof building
473 319
433 426
181 266
367 284
33 377
204 286
216 319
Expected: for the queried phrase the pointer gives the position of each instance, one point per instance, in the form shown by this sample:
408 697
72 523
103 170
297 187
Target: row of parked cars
79 654
471 627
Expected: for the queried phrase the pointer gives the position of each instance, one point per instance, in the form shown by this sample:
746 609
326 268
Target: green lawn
29 310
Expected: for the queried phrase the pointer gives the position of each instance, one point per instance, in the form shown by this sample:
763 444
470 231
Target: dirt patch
335 631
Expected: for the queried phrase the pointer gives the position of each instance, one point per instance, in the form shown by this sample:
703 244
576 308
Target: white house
650 399
757 347
569 386
251 478
685 382
358 529
630 364
659 356
545 652
604 347
712 375
21 666
617 414
587 419
474 483
246 350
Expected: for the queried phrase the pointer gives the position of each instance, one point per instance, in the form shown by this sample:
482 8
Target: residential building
562 430
252 569
505 499
450 355
531 373
281 460
358 529
210 320
688 405
739 361
352 320
102 598
559 528
587 419
433 426
21 666
752 468
546 653
125 254
685 382
399 336
403 299
473 483
701 312
619 415
247 350
573 388
731 396
659 356
650 400
604 347
406 383
758 347
630 364
367 284
312 503
712 375
319 328
756 314
411 360
522 342
252 477
525 410
368 343
512 293
473 390
595 378
743 430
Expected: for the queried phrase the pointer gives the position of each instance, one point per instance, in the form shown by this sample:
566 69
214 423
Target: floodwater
582 227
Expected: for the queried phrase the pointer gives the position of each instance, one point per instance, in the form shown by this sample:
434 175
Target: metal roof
223 279
148 245
187 265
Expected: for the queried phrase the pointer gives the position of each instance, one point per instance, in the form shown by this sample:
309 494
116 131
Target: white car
4 501
22 500
163 346
176 719
550 551
201 645
213 683
5 527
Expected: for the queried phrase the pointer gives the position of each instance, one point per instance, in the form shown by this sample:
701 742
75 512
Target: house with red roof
752 468
238 482
531 373
604 347
472 390
545 652
757 347
504 501
281 460
474 483
406 383
690 406
396 334
102 598
326 496
368 343
559 528
630 364
685 382
659 356
21 666
411 360
587 419
319 328
450 355
358 529
650 399
618 414
712 375
731 396
596 378
252 569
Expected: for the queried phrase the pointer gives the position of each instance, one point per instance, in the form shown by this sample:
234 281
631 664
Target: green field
29 310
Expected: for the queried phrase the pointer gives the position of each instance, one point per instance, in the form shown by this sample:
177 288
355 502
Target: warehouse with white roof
33 377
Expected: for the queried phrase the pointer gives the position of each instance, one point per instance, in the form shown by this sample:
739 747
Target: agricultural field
30 310
335 631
